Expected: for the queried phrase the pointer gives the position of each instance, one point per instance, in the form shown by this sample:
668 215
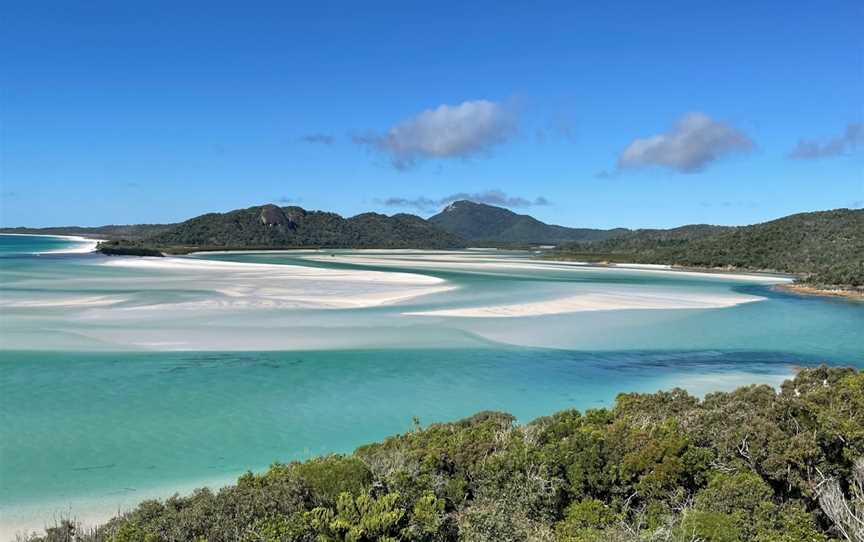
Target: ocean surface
128 378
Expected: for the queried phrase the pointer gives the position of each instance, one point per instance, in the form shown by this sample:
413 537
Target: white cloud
695 141
448 131
849 141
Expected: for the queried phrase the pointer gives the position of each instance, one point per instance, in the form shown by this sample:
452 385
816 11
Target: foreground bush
751 465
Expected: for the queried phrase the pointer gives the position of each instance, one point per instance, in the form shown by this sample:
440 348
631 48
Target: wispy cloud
320 139
692 143
849 141
448 131
287 199
490 197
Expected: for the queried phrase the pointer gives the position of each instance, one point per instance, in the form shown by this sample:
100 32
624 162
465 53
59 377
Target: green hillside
753 465
269 226
825 247
129 231
480 222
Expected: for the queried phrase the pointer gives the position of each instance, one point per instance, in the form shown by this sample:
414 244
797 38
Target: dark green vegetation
825 247
271 227
751 465
122 248
133 231
478 222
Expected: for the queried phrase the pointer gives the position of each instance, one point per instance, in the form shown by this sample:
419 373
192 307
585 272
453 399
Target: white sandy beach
220 284
86 245
594 301
254 285
484 262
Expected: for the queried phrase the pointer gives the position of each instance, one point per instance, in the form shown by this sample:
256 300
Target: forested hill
126 231
753 465
480 222
270 226
827 247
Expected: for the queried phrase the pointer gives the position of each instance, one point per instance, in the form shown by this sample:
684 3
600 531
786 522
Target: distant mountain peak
483 222
458 204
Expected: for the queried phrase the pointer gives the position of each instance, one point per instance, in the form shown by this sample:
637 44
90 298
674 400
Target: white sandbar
255 285
595 301
87 245
480 262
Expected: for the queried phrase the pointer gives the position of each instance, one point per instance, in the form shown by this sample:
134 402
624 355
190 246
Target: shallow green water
97 411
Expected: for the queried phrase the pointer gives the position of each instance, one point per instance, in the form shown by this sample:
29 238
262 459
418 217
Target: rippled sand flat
349 299
251 285
596 302
486 260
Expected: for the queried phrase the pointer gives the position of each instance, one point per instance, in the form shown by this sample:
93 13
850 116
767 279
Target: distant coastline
820 250
795 284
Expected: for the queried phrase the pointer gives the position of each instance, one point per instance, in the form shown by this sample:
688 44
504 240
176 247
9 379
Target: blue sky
613 114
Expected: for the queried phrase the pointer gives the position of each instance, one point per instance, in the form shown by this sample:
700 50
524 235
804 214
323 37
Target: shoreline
89 243
470 261
592 301
89 511
733 274
475 251
820 291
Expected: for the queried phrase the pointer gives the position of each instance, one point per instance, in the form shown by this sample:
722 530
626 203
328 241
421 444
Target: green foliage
825 247
743 500
710 527
294 528
131 531
727 493
585 520
269 226
329 477
358 519
120 248
745 465
427 519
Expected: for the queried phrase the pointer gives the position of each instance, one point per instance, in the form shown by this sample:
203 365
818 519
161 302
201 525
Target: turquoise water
33 244
120 383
